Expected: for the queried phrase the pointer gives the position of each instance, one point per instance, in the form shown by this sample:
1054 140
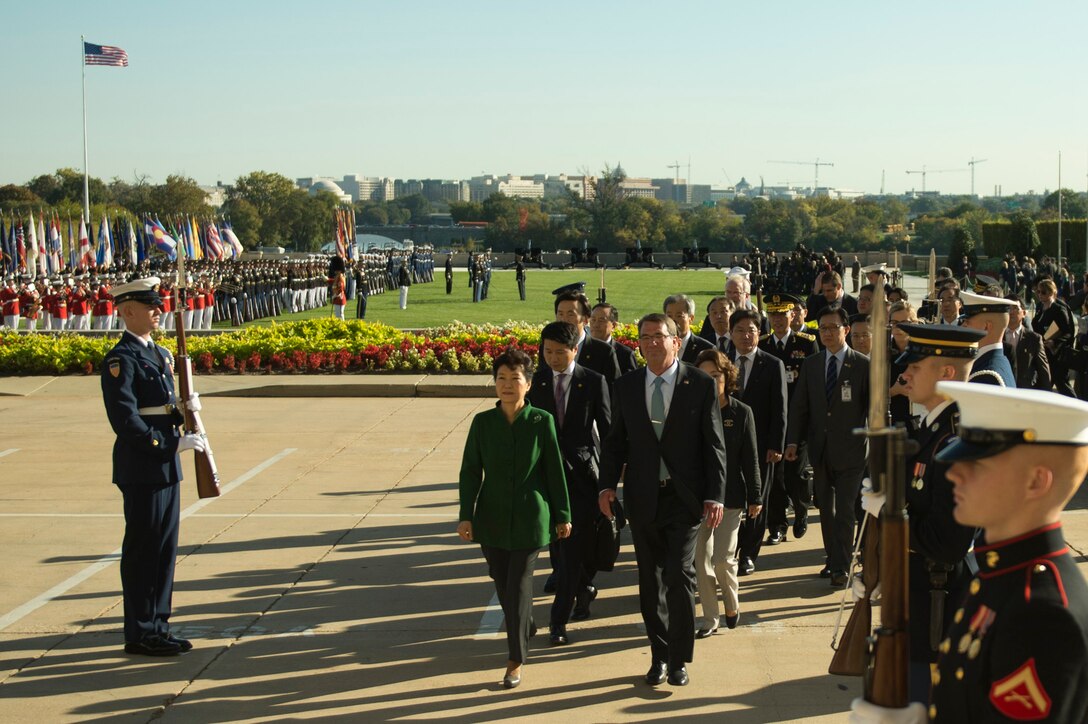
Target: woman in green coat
513 497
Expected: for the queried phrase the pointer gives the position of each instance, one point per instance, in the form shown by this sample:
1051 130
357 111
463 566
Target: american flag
104 55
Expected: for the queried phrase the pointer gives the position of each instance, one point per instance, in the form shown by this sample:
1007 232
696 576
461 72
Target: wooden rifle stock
207 476
852 656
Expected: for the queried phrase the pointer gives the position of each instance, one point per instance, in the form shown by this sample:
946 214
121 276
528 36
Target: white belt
158 410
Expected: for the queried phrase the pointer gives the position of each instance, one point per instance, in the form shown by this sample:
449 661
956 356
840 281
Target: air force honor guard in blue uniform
1017 648
991 315
138 391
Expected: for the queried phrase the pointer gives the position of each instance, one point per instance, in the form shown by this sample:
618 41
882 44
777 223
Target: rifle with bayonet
887 650
207 477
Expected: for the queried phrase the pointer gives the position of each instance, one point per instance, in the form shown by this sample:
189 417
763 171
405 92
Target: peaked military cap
977 304
995 419
881 268
145 291
577 287
780 302
939 340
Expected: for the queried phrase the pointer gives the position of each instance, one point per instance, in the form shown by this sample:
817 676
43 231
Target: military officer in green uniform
1017 648
138 391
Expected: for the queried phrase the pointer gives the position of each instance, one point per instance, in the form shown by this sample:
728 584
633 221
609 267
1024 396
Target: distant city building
316 183
215 195
481 187
368 188
675 190
558 186
409 187
638 188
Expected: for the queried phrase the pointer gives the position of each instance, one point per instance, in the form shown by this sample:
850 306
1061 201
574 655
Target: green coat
512 483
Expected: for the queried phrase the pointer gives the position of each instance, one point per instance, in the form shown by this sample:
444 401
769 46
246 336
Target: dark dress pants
665 552
148 553
572 558
512 572
791 486
837 484
752 530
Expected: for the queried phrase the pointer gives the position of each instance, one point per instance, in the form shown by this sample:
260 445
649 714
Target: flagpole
86 183
1059 209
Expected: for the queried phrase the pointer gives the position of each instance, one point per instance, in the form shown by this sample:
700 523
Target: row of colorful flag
41 247
345 232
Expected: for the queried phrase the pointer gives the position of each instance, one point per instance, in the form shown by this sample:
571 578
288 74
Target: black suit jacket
829 428
696 345
766 394
692 445
742 480
1029 361
587 404
625 356
600 357
817 303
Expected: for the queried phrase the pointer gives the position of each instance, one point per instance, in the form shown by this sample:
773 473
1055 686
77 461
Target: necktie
560 408
743 362
723 344
832 378
657 418
781 346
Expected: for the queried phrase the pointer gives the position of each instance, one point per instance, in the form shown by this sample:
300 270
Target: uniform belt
158 410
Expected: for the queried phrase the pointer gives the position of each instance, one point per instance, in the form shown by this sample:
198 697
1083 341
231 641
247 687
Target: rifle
207 477
852 649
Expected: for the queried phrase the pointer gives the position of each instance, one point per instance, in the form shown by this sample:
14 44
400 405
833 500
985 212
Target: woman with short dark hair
513 497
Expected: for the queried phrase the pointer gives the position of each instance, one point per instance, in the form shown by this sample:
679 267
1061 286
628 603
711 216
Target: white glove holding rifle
192 442
871 502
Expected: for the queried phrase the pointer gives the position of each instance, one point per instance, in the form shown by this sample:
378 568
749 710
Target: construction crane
677 166
816 170
925 171
972 163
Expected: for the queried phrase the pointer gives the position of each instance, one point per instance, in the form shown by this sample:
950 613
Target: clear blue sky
454 89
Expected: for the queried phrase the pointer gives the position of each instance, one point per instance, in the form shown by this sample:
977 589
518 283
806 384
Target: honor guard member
876 273
1017 649
940 563
991 315
138 391
789 484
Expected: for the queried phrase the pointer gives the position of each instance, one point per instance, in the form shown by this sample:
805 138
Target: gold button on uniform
959 616
959 674
932 711
945 646
935 677
975 585
1040 568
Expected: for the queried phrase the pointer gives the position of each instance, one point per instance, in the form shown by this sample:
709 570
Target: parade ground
327 581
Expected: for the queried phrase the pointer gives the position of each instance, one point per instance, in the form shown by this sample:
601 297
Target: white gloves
872 503
862 712
857 590
192 442
193 403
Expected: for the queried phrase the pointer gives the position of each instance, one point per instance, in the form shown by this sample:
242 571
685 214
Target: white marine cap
145 291
738 271
881 268
978 304
994 419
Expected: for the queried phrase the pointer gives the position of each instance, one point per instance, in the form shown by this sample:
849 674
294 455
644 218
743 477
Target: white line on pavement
107 560
9 451
491 620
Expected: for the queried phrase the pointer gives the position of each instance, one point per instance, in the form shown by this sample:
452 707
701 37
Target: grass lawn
634 292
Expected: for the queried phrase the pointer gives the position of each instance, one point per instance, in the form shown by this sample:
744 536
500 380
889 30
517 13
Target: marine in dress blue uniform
990 314
1017 648
138 392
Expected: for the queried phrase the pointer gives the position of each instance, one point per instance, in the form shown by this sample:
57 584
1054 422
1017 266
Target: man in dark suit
761 384
138 391
789 484
602 323
1025 351
667 430
1054 321
831 401
680 308
572 306
578 400
716 327
831 294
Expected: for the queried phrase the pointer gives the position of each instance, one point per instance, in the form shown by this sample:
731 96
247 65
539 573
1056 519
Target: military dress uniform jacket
992 368
798 346
512 485
1018 648
137 377
939 546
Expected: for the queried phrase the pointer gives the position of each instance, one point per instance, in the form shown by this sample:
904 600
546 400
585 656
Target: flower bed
316 346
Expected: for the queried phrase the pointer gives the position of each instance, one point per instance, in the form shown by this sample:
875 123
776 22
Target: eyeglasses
648 338
831 328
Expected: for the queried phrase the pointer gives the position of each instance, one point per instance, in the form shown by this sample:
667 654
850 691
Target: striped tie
657 418
832 378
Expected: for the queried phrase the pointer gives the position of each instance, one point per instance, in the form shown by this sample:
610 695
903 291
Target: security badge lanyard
846 392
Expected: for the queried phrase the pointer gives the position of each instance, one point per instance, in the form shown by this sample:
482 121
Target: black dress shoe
532 629
559 636
731 621
657 674
153 646
825 572
838 579
746 566
679 677
800 527
511 681
705 633
775 538
582 601
549 585
185 644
